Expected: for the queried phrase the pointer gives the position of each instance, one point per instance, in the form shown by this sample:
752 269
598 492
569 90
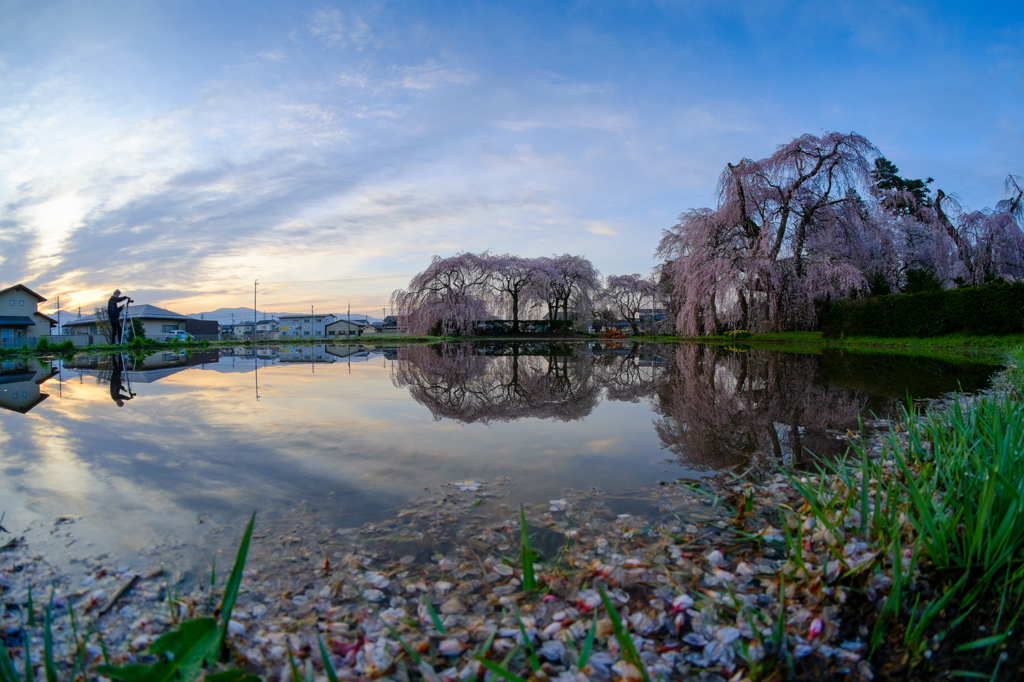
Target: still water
138 449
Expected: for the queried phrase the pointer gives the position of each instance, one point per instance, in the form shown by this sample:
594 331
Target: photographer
114 313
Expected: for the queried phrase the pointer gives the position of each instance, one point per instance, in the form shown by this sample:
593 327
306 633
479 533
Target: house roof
142 311
16 321
21 286
292 317
47 317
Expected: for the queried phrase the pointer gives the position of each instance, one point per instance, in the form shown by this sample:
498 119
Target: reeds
949 504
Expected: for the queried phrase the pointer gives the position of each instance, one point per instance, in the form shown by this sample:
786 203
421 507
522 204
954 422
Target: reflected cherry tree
499 383
724 409
714 408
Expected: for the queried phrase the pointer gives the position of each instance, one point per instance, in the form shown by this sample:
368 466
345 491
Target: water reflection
499 383
717 408
20 383
137 445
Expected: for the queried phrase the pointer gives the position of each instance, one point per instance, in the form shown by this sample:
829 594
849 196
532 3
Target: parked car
178 335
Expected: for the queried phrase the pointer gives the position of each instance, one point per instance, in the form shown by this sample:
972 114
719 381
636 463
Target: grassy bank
942 512
959 343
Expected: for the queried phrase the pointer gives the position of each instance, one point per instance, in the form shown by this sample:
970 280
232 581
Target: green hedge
989 309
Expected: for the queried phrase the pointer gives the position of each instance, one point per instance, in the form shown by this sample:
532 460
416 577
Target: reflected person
116 377
114 314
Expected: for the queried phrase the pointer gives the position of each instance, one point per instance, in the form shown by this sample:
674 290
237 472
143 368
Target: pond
139 449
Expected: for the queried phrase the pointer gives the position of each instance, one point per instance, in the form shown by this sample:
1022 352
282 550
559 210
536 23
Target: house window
7 334
12 301
169 327
22 302
307 334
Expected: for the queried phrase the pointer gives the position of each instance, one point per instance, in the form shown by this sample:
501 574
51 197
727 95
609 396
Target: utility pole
312 322
58 313
255 282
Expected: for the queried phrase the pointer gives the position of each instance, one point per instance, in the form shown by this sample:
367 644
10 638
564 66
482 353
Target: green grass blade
8 673
417 659
499 671
629 653
213 584
438 625
232 676
328 668
531 652
103 647
31 608
234 583
981 643
588 643
526 554
48 664
291 662
29 671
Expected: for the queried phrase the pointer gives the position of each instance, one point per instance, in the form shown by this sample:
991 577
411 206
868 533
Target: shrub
993 309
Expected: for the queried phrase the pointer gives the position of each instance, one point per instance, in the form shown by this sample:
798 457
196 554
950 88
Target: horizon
329 151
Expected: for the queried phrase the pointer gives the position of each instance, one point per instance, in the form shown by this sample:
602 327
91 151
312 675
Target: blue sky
182 150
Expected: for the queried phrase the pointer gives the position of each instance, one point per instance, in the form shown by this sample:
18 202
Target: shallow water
171 444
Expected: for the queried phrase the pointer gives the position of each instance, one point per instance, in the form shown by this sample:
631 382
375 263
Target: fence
498 327
31 341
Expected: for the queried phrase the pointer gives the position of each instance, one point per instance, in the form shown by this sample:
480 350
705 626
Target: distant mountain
224 315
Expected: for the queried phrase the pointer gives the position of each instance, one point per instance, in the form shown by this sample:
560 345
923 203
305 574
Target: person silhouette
116 381
114 314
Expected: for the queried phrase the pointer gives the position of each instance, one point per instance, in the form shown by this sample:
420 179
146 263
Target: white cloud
602 229
336 30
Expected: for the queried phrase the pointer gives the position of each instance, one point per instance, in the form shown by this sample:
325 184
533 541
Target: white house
19 314
156 322
302 326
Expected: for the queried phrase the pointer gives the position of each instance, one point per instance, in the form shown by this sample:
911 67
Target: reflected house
358 353
19 314
156 322
20 384
305 354
143 370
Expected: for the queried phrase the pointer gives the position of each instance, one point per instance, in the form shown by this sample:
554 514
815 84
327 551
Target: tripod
126 322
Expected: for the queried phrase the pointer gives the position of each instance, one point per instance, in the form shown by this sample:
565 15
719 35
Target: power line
347 279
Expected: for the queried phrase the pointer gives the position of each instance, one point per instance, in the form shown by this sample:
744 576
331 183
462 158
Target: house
344 328
20 383
242 331
156 322
266 330
203 329
19 314
301 326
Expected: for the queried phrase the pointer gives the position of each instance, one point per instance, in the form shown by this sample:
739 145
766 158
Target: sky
181 151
